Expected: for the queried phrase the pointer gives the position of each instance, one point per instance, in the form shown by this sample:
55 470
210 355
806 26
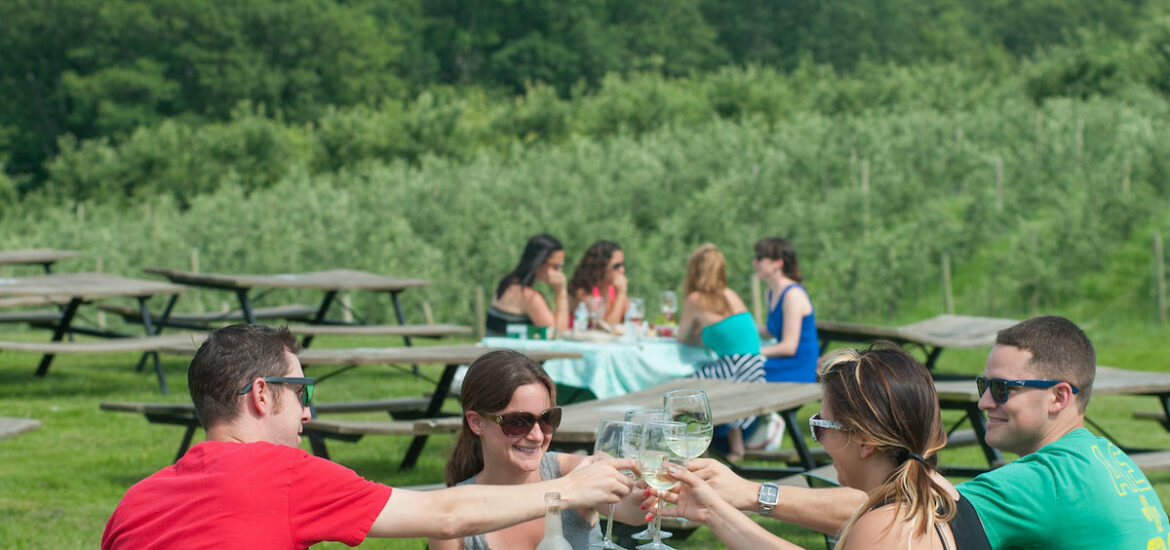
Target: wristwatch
769 498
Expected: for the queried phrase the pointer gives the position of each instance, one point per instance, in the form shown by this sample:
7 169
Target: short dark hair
776 248
1060 351
228 360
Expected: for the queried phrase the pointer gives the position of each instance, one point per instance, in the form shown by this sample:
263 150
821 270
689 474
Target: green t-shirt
1080 491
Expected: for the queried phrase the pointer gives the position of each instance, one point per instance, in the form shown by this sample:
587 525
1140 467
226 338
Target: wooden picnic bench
932 335
207 320
399 408
169 342
45 257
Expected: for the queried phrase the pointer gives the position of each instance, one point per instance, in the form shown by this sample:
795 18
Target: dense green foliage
100 69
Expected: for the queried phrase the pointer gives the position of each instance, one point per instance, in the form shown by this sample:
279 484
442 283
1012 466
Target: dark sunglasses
617 266
818 425
1001 389
520 423
305 394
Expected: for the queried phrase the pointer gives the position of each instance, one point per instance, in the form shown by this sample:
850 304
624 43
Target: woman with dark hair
880 423
517 302
791 319
715 316
508 422
602 272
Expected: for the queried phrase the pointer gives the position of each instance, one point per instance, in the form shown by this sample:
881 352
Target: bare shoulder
737 305
880 528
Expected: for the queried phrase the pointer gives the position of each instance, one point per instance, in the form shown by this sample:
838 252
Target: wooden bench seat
1153 461
37 317
294 311
114 345
422 331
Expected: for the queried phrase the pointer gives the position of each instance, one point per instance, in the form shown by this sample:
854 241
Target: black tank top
966 528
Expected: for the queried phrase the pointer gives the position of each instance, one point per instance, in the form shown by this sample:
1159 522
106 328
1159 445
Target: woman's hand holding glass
615 439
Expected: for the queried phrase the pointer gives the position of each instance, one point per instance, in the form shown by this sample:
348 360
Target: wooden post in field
1160 276
1039 129
948 292
865 198
1080 139
81 212
480 314
346 308
194 260
1125 178
758 310
958 137
998 183
101 315
428 315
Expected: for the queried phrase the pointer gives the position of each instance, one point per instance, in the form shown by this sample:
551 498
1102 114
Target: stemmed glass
692 409
669 305
641 416
657 447
615 439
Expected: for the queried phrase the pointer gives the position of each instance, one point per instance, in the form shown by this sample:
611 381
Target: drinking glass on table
656 450
596 305
615 439
635 313
669 305
641 417
691 408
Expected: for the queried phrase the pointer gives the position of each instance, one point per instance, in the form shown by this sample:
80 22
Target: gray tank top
576 528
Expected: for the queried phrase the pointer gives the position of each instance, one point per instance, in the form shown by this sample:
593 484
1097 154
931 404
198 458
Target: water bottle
581 317
554 538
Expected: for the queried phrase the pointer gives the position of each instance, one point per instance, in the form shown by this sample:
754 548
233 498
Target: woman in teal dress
715 316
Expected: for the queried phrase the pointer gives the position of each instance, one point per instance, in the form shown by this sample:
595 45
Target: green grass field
58 484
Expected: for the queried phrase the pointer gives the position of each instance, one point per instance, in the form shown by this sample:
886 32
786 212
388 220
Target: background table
75 289
932 335
43 256
611 369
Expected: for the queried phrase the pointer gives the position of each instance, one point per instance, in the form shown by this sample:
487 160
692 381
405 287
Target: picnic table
73 290
963 395
317 430
43 256
932 335
729 401
612 368
12 427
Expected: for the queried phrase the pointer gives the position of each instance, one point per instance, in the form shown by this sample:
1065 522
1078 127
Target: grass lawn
58 484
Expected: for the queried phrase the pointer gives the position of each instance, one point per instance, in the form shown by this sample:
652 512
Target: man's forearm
824 510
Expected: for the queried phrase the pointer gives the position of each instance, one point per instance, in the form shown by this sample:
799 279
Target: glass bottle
554 538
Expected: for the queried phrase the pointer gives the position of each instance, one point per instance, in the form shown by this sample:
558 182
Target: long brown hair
886 398
488 387
593 267
776 248
707 275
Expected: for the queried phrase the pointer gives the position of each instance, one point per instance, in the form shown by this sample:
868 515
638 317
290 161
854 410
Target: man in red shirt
250 486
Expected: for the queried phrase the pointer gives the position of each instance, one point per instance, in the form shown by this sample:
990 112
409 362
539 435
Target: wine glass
596 305
657 448
691 408
669 305
641 416
615 439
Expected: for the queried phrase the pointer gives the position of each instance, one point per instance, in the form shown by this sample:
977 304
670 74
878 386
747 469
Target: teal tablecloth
616 368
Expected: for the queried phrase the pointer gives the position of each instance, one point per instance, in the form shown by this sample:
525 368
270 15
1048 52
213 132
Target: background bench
115 345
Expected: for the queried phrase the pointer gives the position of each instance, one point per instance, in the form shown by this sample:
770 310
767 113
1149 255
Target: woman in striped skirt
715 316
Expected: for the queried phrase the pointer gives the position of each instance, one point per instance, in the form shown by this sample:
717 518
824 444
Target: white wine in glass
641 416
652 458
691 408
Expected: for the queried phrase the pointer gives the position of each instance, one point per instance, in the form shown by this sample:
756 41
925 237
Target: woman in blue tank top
715 316
791 320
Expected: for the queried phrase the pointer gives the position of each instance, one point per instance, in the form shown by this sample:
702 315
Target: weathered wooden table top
333 279
62 287
946 331
35 256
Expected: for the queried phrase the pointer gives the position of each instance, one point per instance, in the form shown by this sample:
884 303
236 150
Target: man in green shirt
1068 490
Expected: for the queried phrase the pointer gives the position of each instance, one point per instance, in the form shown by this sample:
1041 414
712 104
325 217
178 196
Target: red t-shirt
246 495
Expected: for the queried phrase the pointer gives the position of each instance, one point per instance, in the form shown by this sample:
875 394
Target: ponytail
916 496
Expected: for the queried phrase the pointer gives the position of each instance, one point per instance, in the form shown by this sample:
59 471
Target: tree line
78 70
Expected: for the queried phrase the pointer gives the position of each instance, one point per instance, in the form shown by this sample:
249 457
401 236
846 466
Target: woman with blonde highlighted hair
880 423
715 316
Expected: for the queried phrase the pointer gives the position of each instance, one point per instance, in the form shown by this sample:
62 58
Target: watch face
769 493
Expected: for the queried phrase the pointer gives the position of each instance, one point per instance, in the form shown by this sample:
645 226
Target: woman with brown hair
880 423
791 319
601 274
509 416
715 316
